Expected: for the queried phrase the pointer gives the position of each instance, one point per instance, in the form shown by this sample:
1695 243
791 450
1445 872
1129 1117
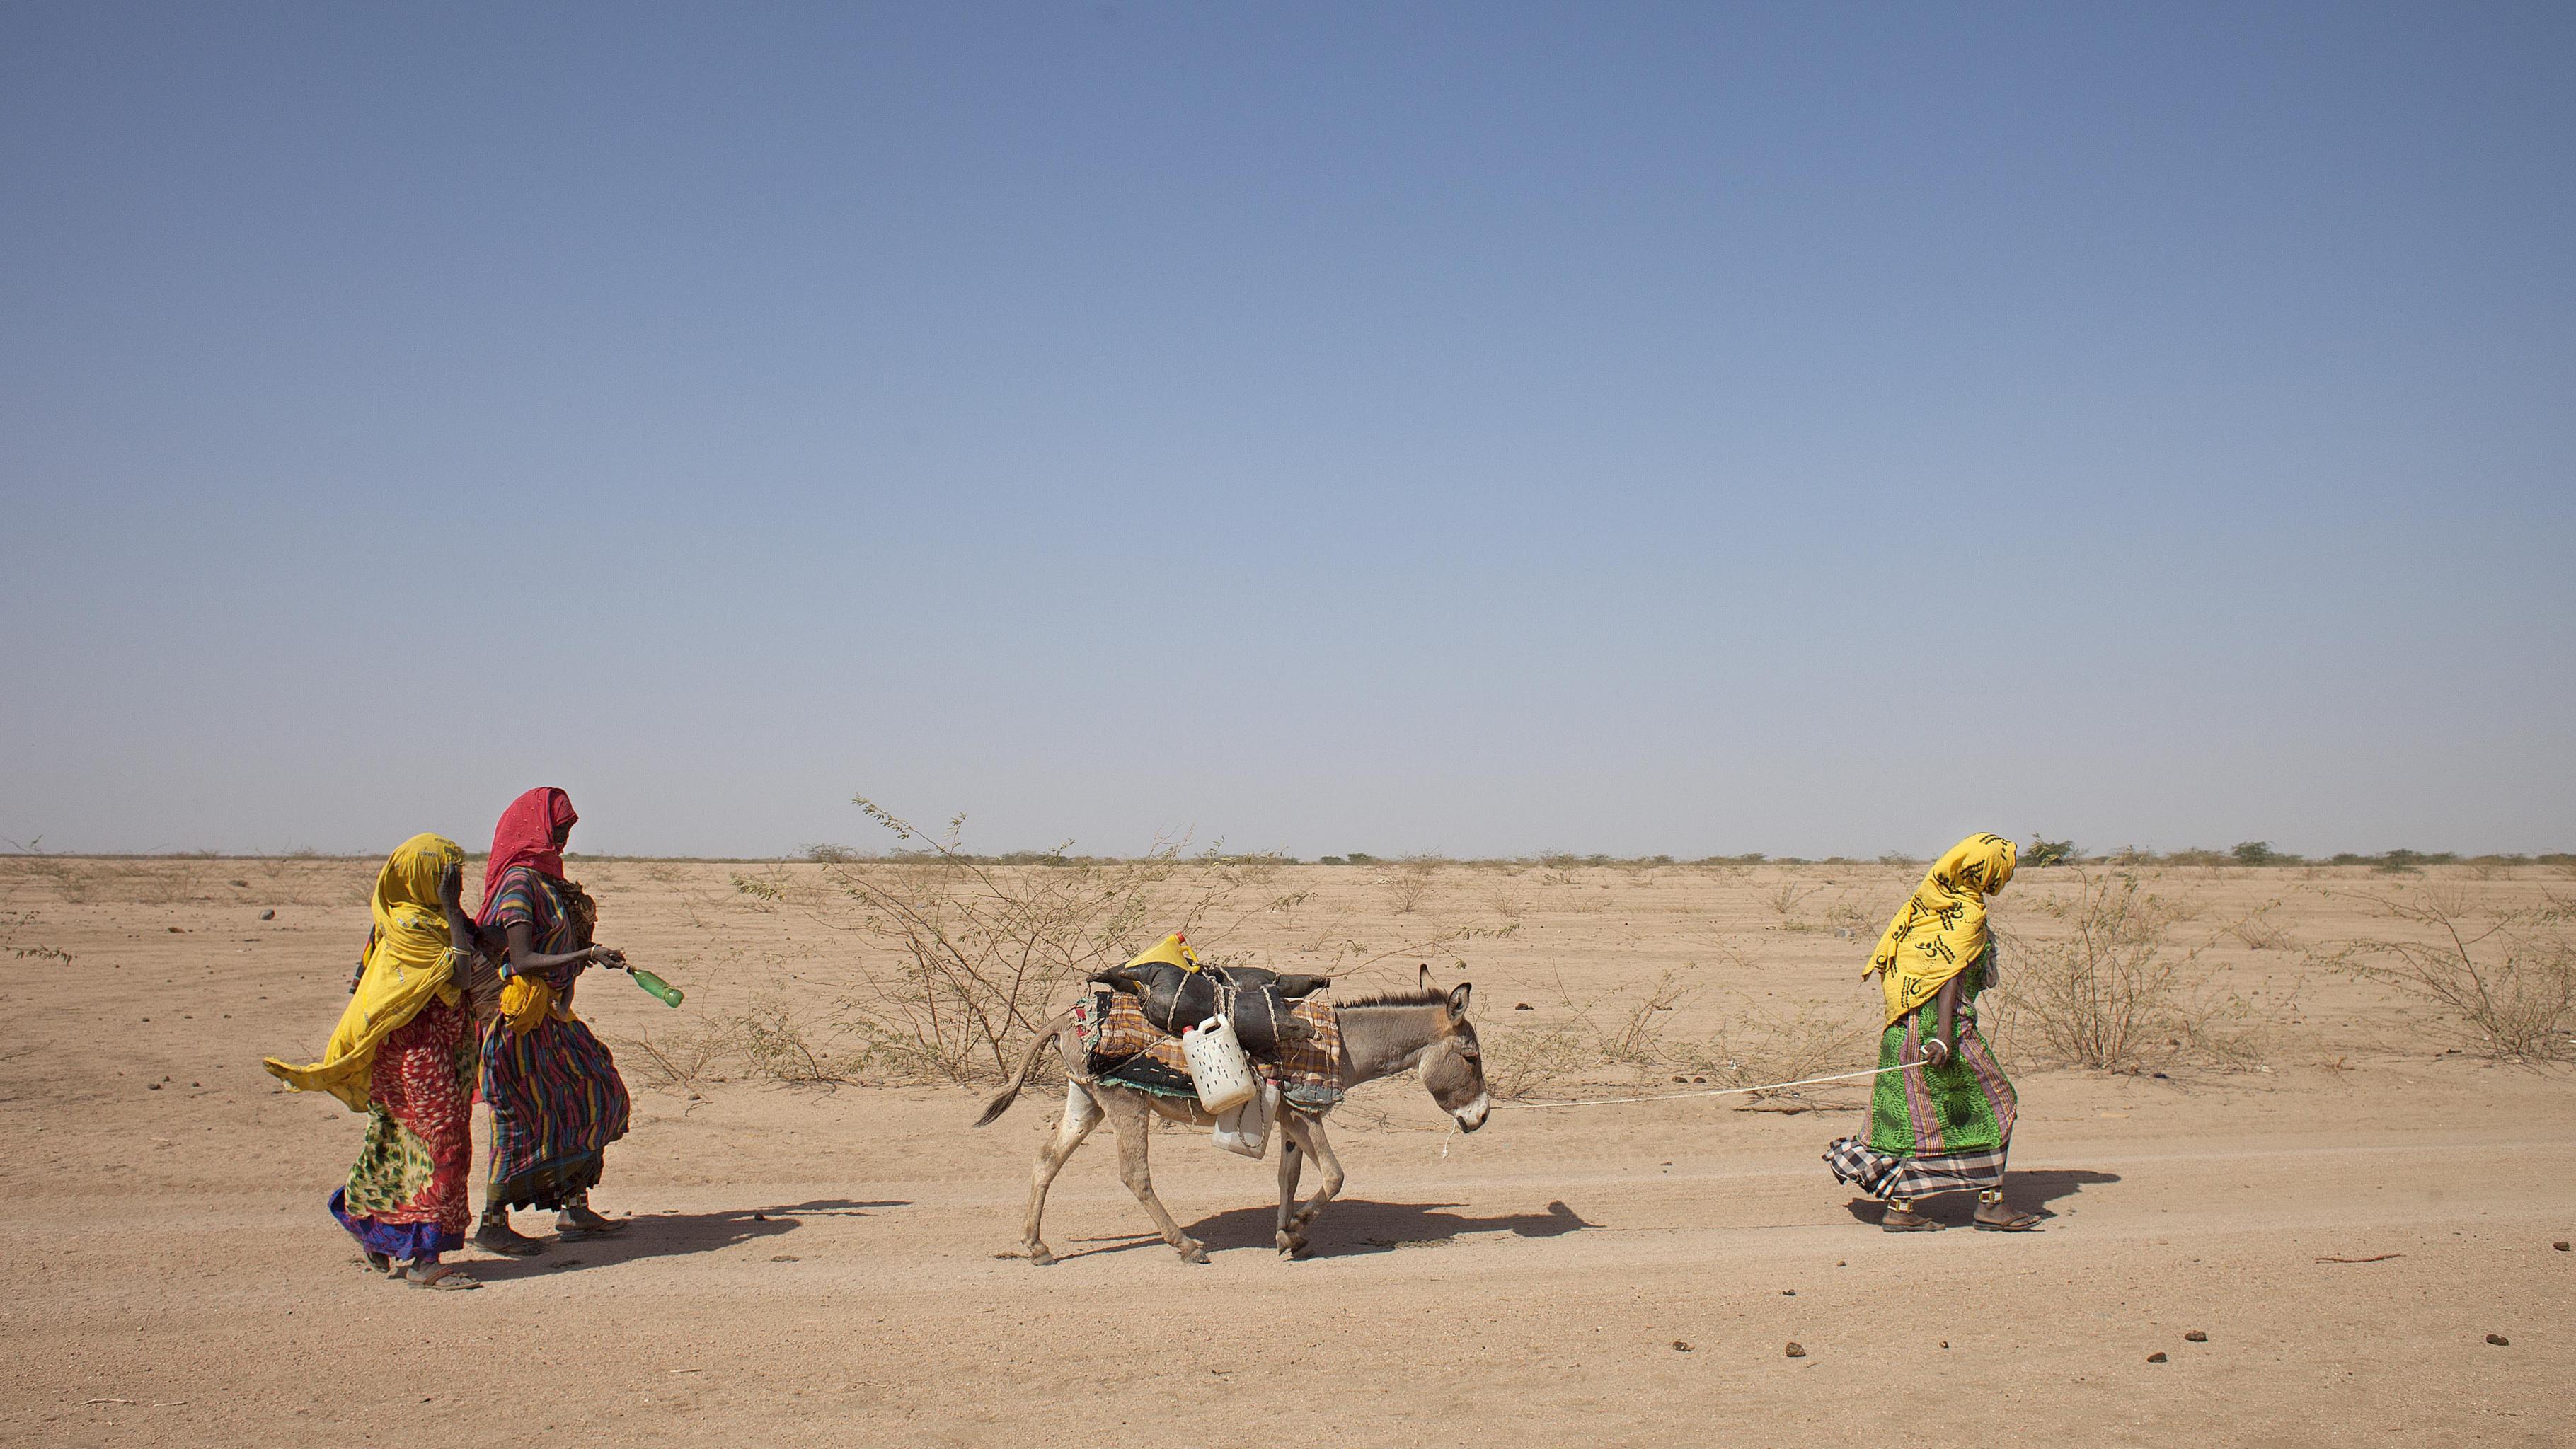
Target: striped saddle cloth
1121 1046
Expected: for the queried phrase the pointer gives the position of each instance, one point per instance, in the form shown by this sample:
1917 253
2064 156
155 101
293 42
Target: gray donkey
1381 1035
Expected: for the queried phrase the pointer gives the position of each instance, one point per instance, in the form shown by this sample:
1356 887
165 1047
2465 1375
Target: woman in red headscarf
556 1099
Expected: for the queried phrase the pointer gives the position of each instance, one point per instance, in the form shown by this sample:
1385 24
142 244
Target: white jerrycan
1246 1129
1218 1067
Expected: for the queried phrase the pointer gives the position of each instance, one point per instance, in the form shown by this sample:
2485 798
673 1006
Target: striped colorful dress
556 1098
1933 1129
406 1194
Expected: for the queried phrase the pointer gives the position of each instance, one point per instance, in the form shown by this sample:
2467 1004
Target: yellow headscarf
1941 929
409 963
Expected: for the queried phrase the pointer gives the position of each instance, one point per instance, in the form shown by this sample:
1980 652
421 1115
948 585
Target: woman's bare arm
525 960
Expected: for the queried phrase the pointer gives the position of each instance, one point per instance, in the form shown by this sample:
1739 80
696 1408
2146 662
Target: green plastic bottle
670 994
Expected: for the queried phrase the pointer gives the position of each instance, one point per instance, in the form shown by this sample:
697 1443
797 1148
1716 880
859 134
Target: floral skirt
407 1195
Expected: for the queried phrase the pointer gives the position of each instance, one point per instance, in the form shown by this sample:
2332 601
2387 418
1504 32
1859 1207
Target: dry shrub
2116 993
781 1041
2261 932
1619 1029
1507 901
1625 1033
973 951
1521 1062
1413 885
675 1059
1852 917
1759 1047
2504 981
1783 898
14 936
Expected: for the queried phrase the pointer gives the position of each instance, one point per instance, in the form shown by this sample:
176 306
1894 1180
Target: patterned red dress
406 1196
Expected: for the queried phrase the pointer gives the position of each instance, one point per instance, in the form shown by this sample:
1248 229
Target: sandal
2010 1222
498 1238
1902 1218
375 1262
574 1225
445 1277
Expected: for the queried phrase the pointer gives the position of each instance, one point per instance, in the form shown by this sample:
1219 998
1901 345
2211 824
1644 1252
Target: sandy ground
824 1267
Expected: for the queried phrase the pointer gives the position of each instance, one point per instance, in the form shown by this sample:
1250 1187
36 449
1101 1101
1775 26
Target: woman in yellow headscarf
1941 1114
404 1054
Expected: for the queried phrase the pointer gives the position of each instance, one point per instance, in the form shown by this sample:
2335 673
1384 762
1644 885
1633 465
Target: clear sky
1479 428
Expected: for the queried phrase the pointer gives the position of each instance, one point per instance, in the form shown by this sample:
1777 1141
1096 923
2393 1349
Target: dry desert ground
2306 1171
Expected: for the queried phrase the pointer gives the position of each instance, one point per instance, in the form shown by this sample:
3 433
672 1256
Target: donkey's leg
1292 1163
1081 1114
1308 1133
1133 1119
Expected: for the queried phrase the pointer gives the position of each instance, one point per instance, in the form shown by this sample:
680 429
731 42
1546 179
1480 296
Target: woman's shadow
663 1235
2027 1191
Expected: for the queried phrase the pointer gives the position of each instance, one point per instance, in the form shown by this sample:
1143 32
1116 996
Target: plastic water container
1246 1129
1218 1067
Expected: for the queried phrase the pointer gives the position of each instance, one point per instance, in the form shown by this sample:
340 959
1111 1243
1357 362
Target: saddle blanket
1121 1046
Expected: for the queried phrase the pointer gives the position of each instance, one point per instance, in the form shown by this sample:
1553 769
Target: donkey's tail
1028 1062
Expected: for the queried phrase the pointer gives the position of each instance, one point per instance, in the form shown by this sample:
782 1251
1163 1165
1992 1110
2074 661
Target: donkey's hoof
1040 1256
1193 1251
1291 1246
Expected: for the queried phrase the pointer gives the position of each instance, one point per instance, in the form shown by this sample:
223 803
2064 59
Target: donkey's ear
1424 980
1458 1000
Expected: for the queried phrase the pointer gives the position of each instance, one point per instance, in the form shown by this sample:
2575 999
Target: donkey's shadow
1355 1227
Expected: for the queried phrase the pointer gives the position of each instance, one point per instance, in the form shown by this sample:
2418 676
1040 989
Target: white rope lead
1713 1092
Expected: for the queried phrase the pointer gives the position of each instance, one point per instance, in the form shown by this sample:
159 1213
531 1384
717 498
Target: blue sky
1474 428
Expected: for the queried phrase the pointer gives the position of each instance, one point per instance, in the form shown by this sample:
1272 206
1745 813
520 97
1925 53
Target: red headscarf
526 836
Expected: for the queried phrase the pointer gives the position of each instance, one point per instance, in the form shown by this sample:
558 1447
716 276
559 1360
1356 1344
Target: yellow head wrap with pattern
1941 929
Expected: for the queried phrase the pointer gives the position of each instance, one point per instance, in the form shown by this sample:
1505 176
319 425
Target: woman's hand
606 956
451 887
1936 1052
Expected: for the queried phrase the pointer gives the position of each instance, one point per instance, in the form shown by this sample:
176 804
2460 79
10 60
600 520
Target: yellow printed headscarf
409 963
1941 929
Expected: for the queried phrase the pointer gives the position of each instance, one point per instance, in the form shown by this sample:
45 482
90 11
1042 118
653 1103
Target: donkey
1381 1035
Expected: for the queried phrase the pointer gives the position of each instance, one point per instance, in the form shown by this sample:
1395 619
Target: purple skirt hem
404 1242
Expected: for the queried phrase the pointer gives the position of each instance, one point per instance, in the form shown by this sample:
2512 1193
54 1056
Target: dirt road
823 1267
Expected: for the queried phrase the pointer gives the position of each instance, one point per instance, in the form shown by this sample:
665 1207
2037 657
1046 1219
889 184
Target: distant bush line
2039 853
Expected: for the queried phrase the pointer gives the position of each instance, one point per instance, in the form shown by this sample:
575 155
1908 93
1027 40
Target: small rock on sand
1797 1349
2560 1245
2195 1336
268 915
2499 1340
1681 1345
2157 1357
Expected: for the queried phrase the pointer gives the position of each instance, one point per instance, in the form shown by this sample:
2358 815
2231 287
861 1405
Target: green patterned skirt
1932 1129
